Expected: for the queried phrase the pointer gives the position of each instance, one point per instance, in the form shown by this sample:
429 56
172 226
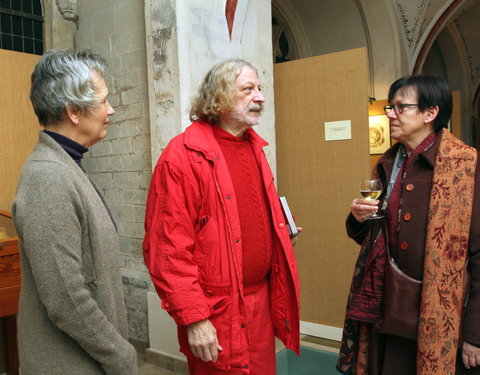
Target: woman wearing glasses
427 242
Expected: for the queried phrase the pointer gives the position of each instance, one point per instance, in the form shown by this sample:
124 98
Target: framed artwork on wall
379 131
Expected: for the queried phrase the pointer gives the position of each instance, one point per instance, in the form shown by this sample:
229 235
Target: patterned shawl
446 253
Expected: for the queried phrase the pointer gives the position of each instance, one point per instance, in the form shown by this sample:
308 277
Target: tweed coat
72 315
400 354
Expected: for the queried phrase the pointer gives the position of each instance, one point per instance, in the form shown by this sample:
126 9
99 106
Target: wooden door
320 178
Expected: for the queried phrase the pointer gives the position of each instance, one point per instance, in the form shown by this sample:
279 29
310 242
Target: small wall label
338 130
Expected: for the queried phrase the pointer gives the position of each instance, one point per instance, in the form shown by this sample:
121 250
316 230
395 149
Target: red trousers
262 339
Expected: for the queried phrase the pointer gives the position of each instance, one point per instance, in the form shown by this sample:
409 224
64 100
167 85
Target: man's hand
470 355
202 338
295 239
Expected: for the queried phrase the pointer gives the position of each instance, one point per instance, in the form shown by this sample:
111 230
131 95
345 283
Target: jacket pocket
207 250
218 296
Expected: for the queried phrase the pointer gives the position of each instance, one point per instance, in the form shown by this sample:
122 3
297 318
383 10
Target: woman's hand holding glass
364 209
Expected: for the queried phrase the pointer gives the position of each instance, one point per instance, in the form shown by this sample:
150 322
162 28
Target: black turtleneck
72 148
76 151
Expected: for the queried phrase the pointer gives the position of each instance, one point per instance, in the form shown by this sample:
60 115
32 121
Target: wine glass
371 189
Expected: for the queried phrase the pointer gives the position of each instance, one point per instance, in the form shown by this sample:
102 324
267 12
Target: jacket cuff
190 315
470 327
356 229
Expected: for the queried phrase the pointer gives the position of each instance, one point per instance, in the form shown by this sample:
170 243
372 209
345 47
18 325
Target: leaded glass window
21 26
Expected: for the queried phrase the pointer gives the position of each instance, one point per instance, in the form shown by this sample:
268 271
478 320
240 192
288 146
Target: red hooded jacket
193 245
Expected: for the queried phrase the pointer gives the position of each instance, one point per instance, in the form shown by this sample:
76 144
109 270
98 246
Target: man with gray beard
216 242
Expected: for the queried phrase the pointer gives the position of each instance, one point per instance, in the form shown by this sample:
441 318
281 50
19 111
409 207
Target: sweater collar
72 148
199 136
222 135
429 154
430 147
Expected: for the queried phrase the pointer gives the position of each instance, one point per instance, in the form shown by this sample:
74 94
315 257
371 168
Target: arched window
284 44
21 26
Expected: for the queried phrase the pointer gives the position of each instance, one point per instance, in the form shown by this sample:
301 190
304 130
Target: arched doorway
451 50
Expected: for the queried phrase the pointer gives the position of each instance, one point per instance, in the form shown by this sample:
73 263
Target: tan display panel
320 178
18 124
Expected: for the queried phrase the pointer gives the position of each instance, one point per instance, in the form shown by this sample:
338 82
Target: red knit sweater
255 218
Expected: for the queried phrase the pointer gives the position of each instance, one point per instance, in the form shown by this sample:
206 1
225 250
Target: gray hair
217 90
63 79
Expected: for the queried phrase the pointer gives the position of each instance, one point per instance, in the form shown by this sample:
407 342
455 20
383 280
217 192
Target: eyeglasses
398 108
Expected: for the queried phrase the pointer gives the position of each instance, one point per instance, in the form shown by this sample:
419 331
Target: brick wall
120 164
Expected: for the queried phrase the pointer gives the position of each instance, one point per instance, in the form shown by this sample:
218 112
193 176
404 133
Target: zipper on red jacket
232 245
229 231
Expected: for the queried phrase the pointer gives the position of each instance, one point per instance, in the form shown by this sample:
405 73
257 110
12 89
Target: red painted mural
230 8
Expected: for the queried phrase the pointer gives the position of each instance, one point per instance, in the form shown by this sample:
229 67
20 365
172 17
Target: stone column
163 73
64 18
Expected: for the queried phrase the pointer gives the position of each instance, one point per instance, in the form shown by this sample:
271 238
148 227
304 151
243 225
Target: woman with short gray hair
72 316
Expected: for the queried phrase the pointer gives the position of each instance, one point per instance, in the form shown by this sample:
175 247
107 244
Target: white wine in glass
371 189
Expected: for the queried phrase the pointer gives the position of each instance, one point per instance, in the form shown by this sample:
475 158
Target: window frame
22 31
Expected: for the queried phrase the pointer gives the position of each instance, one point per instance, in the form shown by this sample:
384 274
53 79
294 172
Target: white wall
162 329
185 38
331 25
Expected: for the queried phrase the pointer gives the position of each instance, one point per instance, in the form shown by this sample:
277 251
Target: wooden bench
9 288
